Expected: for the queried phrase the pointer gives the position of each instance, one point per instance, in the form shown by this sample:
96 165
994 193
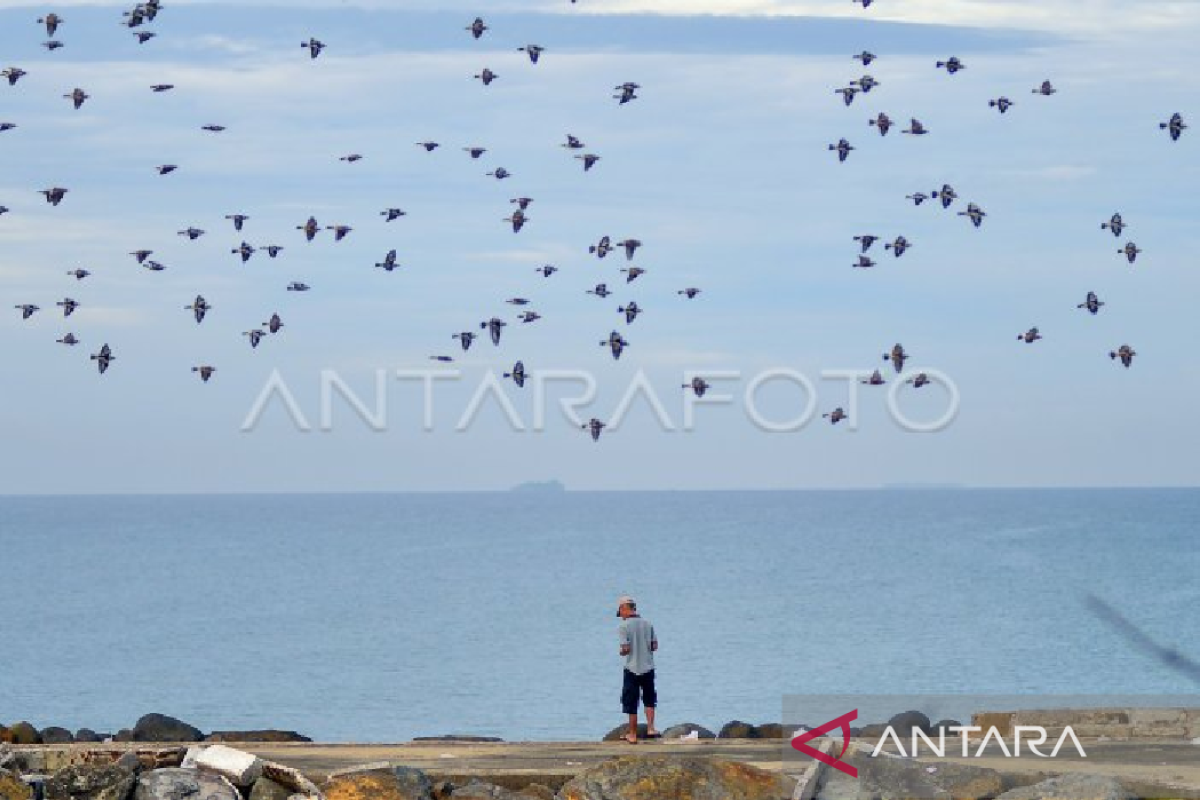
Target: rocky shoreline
149 728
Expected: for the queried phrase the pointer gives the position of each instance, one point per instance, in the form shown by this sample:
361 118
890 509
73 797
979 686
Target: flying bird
951 65
339 231
52 45
238 220
843 149
1046 89
27 310
835 416
517 219
589 160
534 51
159 88
494 327
698 386
594 426
297 286
847 93
897 356
883 122
273 250
310 228
499 173
68 306
191 233
529 316
946 194
244 250
255 336
1092 303
465 338
14 74
142 255
631 311
429 146
389 261
876 379
1030 336
1130 251
51 21
689 292
600 290
919 380
487 76
79 274
1115 224
1001 104
274 323
1125 353
898 246
632 273
144 36
477 27
475 152
547 270
573 143
615 343
917 198
103 358
517 374
974 213
866 57
314 47
54 195
199 308
77 97
601 248
864 262
350 159
1174 126
522 202
69 340
206 372
166 169
631 246
866 83
392 214
915 127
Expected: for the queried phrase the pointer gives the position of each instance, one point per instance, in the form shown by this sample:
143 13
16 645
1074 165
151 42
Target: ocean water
382 617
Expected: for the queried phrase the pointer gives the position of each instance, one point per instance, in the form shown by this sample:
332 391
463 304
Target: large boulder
88 735
946 725
904 723
90 782
686 778
886 778
8 757
124 735
772 730
1071 787
687 728
263 736
5 735
618 733
24 733
173 783
267 789
161 728
56 735
738 730
12 787
400 783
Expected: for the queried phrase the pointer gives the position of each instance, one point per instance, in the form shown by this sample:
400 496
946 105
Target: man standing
637 646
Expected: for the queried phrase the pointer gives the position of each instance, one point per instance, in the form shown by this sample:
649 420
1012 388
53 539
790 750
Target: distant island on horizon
543 487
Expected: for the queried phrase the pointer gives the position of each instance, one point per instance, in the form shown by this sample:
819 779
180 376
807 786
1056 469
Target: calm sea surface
382 617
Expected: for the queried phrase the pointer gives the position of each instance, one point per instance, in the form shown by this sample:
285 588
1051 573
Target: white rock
241 768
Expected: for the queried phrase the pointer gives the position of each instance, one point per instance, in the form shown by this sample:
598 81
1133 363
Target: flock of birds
615 342
947 196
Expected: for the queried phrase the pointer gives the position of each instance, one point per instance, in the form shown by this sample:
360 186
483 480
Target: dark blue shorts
634 686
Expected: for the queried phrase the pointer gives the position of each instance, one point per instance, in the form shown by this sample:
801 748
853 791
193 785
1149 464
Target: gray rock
478 790
678 778
90 782
130 761
264 736
414 783
946 725
772 730
88 735
56 735
183 784
12 787
123 735
676 731
161 728
886 778
618 733
8 758
904 722
267 789
1071 787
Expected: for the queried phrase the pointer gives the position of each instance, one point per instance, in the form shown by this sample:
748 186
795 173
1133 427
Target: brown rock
13 788
684 778
267 789
5 735
403 783
24 733
618 733
56 735
538 791
738 730
479 790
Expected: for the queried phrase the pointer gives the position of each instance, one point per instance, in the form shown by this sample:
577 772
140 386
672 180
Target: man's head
626 607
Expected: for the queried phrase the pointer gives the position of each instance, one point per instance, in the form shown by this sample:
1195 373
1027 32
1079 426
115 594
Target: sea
381 617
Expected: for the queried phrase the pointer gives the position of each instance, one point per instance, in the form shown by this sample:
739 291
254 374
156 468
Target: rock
123 735
88 735
738 730
946 725
478 790
538 791
886 778
24 733
1071 787
873 731
56 735
401 783
676 731
5 735
264 736
8 758
161 728
267 789
772 730
90 782
904 722
618 733
130 761
239 767
13 788
687 778
173 783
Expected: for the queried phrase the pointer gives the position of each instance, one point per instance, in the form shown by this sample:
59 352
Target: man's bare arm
624 649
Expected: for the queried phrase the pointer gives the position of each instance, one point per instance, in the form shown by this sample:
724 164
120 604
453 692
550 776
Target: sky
720 168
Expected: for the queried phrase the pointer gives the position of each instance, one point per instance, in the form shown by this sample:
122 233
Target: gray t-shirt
638 633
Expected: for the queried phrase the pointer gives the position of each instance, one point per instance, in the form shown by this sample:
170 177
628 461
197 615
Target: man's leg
629 704
650 701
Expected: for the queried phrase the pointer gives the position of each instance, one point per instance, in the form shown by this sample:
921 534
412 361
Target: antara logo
801 743
939 749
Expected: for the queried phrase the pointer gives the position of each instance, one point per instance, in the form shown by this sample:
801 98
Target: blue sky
720 168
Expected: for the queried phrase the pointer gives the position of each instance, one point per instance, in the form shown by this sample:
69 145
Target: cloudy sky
720 168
